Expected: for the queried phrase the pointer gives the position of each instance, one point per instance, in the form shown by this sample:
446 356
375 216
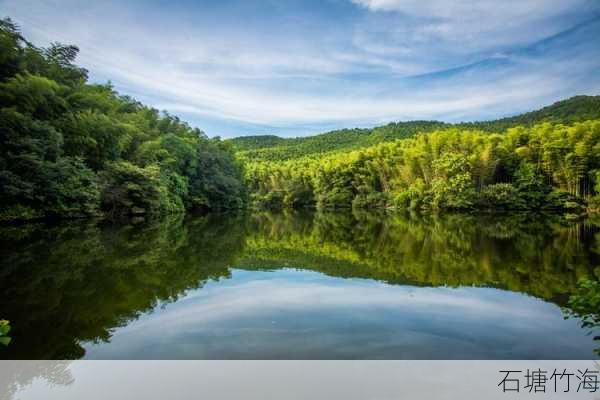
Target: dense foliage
4 330
274 148
584 305
69 148
544 159
575 109
548 165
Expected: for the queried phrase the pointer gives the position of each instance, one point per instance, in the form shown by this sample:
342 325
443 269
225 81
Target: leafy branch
4 330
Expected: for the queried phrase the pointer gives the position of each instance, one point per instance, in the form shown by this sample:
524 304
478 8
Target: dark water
298 286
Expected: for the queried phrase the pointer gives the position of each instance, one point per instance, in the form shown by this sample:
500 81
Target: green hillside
274 148
258 142
574 109
71 148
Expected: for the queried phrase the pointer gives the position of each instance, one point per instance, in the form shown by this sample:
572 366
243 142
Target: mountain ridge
274 148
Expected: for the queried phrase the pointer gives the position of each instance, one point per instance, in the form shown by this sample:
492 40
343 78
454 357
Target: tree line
70 148
275 148
544 166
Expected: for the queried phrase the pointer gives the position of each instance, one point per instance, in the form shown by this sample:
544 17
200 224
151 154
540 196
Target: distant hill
258 142
578 108
273 148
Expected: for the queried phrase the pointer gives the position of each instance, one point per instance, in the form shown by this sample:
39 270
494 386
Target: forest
69 148
549 165
274 148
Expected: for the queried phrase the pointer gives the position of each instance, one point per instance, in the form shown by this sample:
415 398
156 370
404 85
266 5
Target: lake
305 285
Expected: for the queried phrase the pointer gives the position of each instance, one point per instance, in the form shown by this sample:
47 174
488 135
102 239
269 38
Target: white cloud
273 313
230 301
439 33
470 9
362 72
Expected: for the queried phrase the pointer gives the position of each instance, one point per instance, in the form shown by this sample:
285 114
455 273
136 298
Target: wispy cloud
271 314
245 67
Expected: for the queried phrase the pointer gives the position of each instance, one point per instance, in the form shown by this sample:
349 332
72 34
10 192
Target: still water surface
298 286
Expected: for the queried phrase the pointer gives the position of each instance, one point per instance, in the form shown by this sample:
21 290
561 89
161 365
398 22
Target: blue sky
294 68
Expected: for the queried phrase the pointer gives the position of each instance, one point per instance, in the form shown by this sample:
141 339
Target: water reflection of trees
64 284
75 282
541 255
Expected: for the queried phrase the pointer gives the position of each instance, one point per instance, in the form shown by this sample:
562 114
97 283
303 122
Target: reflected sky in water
330 285
297 314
